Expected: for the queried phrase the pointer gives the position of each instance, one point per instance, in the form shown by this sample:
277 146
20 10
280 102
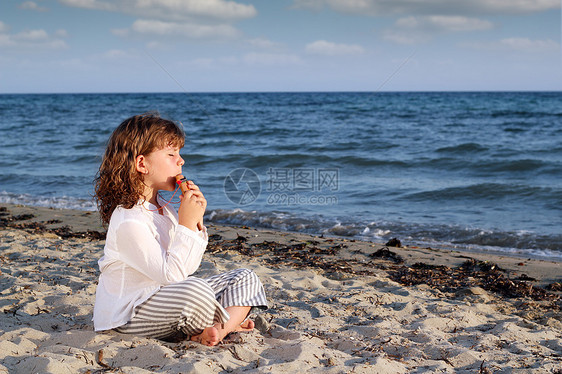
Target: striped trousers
189 306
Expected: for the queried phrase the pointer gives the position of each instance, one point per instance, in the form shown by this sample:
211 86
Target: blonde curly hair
118 182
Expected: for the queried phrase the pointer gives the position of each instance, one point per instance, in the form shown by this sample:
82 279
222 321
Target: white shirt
144 251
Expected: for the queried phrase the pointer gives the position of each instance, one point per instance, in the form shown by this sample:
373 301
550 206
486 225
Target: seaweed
386 254
471 273
9 221
394 242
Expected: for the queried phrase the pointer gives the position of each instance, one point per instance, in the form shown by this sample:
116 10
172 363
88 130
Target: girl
145 287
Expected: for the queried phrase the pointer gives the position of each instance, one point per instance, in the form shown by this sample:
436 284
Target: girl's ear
140 163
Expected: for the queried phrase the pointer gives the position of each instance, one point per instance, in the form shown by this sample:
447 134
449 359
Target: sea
470 171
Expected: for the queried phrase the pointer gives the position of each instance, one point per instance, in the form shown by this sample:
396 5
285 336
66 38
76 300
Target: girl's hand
197 192
192 208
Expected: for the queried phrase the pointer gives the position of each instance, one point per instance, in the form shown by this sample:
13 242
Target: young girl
145 287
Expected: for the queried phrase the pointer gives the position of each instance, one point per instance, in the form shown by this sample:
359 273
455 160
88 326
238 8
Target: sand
335 307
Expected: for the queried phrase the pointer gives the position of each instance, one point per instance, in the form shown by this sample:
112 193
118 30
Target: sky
74 46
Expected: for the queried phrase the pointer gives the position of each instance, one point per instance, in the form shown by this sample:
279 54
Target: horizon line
273 92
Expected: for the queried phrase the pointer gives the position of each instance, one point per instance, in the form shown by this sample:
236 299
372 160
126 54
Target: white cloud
90 4
263 43
31 36
30 39
3 27
186 30
157 46
175 10
121 32
417 7
253 59
116 54
271 59
213 63
528 45
31 5
228 60
61 33
323 47
518 44
220 9
420 29
193 19
203 63
442 24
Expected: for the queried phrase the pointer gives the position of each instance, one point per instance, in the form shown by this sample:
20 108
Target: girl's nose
181 161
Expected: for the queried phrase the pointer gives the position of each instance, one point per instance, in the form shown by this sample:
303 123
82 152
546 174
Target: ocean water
470 171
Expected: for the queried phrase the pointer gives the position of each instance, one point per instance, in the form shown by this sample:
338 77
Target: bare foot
247 325
209 336
234 336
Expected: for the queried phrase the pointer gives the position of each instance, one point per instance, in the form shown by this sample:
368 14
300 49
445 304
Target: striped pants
189 306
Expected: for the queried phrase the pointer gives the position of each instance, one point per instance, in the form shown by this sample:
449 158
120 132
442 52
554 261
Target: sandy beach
337 306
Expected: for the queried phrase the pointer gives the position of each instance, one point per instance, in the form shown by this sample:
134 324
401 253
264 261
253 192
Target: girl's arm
138 248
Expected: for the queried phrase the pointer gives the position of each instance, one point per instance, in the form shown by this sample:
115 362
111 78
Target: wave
512 167
486 191
523 113
524 243
58 202
295 159
463 148
297 155
515 165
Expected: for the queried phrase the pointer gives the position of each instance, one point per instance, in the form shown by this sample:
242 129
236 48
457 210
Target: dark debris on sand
386 254
471 273
300 255
394 242
8 220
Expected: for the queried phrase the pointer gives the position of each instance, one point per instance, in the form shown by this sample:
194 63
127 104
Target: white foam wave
445 236
56 202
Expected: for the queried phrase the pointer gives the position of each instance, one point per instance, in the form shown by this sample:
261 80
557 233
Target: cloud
416 7
271 59
61 33
116 54
323 47
121 32
31 36
90 4
31 5
528 45
192 19
252 60
172 10
420 29
179 29
263 43
31 39
525 45
443 24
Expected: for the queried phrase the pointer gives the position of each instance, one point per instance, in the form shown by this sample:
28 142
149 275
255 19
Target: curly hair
118 182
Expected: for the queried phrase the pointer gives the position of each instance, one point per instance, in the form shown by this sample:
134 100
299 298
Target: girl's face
162 166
